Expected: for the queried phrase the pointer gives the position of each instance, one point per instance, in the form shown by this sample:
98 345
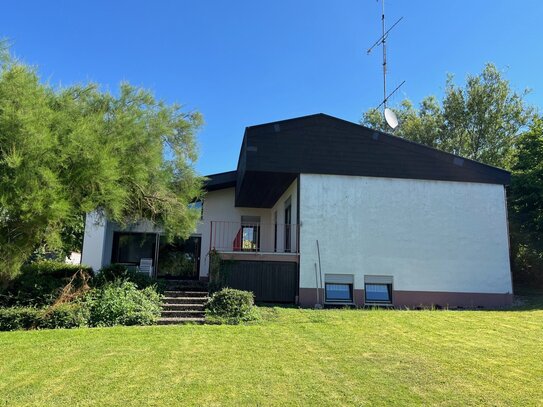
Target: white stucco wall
94 241
428 235
98 238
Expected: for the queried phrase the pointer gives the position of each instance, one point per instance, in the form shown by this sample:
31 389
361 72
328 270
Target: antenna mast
383 41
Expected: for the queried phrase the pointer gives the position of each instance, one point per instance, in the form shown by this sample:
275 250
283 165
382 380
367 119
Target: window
130 248
275 231
338 292
250 233
288 219
338 288
378 293
198 205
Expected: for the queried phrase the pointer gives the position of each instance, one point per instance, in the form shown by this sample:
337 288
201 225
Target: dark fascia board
220 180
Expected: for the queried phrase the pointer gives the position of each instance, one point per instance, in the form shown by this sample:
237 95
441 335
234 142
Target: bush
70 315
115 272
121 303
231 306
19 318
40 283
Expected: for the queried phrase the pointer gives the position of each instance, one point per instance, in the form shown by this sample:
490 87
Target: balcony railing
254 237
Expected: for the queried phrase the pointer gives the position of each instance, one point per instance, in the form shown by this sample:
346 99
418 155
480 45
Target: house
324 210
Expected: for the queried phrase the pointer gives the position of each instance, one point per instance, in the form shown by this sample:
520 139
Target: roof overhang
220 180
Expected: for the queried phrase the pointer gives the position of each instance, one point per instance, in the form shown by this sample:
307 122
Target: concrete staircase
183 303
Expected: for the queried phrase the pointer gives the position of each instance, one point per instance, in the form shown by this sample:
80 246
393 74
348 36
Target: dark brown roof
273 154
220 181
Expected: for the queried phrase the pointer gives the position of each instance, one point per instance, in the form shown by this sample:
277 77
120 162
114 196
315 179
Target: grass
292 357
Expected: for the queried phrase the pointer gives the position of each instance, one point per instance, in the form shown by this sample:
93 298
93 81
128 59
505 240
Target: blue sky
242 63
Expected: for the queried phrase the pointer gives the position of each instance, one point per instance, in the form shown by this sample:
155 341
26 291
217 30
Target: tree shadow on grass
527 299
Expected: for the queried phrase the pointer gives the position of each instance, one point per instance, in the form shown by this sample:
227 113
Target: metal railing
254 237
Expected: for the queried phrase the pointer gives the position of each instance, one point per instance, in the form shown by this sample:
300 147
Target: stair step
176 287
183 313
198 294
184 300
180 321
182 307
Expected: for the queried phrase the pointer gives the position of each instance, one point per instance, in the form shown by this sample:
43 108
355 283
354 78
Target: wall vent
458 161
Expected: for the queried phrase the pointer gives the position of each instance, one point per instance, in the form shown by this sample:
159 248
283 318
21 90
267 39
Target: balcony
246 240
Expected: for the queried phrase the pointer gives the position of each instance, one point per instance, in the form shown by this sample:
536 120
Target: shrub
231 306
55 269
19 318
71 315
121 303
40 283
115 272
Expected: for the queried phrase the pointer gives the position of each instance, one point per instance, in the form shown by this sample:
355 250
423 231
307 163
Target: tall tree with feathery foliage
65 152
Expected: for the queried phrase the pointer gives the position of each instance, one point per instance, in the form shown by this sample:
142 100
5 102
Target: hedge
39 284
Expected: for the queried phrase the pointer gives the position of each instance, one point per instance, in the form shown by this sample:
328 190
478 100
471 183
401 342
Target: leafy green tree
65 152
486 120
526 205
480 120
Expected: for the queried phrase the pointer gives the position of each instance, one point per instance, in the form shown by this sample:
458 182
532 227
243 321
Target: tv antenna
390 116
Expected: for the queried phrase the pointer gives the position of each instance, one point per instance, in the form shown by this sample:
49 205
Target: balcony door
250 233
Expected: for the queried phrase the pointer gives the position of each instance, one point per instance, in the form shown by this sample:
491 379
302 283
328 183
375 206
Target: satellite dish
391 118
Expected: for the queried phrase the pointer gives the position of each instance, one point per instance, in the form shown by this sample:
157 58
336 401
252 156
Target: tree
65 152
526 205
487 121
479 121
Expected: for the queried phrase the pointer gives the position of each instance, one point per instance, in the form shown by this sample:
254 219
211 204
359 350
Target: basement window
339 292
338 288
380 293
378 289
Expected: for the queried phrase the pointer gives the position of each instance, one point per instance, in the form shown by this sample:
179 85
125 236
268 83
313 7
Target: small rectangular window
378 293
339 292
198 205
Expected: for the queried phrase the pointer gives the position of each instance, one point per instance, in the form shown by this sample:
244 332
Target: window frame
378 302
288 219
115 247
343 301
198 204
250 223
275 232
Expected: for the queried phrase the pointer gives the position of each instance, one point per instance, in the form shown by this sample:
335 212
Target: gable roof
273 154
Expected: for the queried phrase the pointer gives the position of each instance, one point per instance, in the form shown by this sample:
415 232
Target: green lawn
294 357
